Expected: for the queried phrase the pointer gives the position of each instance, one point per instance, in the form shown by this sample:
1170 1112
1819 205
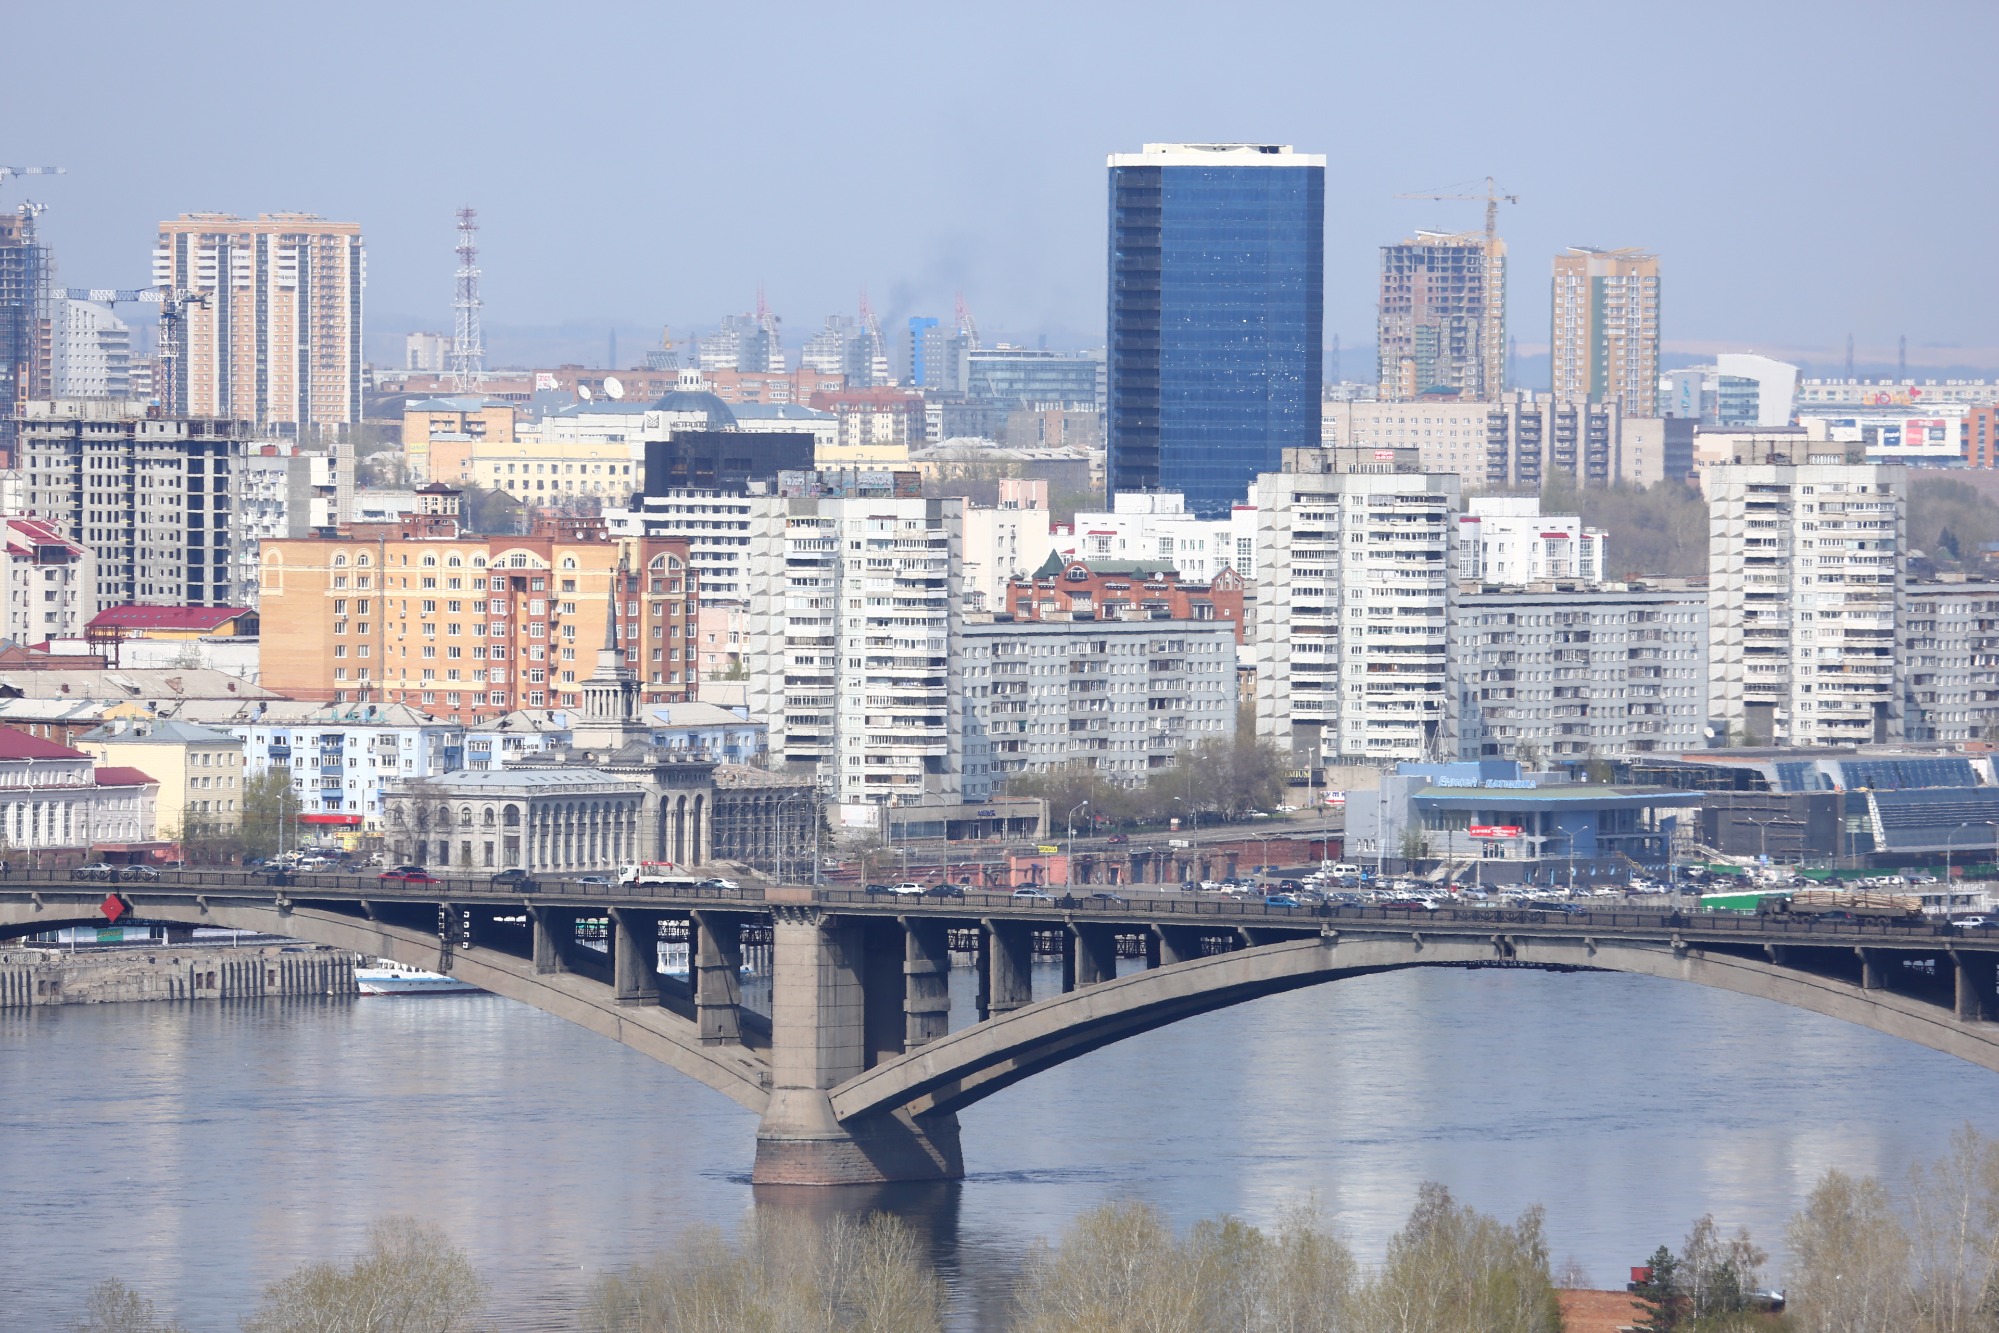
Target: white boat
384 976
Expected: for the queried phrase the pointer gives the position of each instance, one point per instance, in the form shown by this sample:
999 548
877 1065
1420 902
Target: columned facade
541 820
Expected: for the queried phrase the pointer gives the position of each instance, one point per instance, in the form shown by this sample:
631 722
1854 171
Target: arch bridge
855 1071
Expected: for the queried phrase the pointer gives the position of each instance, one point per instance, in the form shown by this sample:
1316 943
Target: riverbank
36 977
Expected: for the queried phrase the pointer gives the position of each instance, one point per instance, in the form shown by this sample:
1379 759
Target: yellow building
548 472
200 770
441 435
471 627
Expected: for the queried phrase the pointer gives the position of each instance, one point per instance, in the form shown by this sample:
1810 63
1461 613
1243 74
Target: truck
1836 904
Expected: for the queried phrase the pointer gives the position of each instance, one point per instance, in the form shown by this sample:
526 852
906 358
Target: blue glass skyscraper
1217 301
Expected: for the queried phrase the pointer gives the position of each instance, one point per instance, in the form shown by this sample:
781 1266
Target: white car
908 889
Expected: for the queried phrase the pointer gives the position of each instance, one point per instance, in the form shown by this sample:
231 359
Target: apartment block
1981 437
1154 528
1006 540
856 606
1806 568
49 582
719 527
154 499
278 342
1950 662
1122 696
469 627
1520 440
1442 317
1605 330
1506 539
1081 590
92 351
1562 673
1354 590
27 319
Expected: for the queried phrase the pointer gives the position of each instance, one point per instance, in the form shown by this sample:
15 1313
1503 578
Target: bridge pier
1873 976
551 925
926 981
1091 956
715 953
819 1038
1173 944
634 956
1009 962
1977 980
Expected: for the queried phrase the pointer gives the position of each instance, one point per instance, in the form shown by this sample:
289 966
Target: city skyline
1028 255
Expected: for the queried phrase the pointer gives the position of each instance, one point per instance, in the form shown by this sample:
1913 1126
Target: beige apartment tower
1605 339
278 342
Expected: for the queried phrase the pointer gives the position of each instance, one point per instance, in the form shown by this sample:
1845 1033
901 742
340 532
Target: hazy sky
1806 170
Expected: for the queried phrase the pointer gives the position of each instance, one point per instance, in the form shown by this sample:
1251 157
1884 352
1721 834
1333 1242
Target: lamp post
1946 848
1069 870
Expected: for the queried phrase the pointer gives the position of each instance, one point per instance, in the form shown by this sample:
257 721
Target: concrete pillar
1091 956
818 1040
553 930
715 947
1009 963
1176 944
926 982
634 956
1977 985
1873 975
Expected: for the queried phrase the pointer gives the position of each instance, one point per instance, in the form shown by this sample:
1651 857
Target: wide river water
198 1152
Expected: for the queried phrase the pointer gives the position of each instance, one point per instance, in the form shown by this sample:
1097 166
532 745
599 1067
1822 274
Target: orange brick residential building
470 627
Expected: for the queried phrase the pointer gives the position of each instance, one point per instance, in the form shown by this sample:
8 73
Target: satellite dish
583 392
613 387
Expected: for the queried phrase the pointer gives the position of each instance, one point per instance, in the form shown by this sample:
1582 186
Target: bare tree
784 1272
1849 1260
113 1307
409 1279
1451 1269
1954 1234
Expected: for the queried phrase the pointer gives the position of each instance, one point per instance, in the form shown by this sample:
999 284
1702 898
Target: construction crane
173 316
1492 198
7 173
965 324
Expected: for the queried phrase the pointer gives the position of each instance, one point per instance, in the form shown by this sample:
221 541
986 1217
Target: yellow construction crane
1493 199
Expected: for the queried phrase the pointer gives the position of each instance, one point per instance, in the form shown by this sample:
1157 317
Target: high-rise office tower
1605 336
278 343
1442 319
1217 296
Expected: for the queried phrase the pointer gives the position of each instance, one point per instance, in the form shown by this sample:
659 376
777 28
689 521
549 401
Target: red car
406 875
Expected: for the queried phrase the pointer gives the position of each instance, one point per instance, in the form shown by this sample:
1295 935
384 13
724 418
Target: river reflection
199 1151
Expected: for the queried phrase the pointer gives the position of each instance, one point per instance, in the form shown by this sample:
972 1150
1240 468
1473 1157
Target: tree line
1865 1257
1220 778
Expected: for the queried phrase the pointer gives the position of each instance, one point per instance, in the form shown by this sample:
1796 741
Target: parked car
406 875
1032 896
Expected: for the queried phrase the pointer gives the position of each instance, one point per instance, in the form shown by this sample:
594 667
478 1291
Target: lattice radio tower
468 357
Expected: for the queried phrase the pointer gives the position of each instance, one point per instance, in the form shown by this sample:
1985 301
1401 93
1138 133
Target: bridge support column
634 956
1873 976
1173 944
926 982
553 929
716 948
818 1040
1976 978
1009 963
1092 955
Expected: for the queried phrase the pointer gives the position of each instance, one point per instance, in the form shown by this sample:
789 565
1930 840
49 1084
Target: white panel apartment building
1352 610
1507 539
853 615
1559 675
1123 696
1154 528
1950 661
1806 569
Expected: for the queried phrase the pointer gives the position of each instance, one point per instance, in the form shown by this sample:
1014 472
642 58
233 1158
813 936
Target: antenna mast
468 357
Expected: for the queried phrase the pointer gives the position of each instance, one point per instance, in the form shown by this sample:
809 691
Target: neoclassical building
542 820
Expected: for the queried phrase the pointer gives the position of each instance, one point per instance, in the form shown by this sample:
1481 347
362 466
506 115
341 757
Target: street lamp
1069 876
1946 847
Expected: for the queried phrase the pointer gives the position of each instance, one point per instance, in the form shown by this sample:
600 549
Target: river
199 1151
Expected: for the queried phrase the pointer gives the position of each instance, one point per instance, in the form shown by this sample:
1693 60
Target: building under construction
1442 327
27 323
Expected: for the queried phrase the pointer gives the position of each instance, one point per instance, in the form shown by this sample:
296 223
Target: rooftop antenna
468 357
1336 359
1902 357
1849 356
